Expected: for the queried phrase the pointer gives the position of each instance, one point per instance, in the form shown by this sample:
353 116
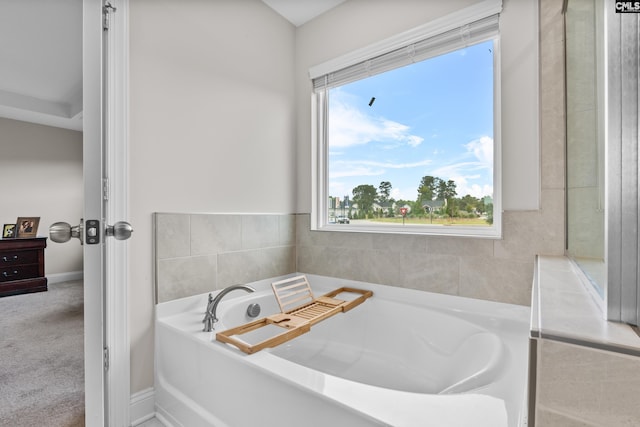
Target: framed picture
9 231
27 226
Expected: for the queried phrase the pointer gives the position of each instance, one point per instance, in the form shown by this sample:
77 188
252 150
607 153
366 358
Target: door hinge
105 189
106 358
106 10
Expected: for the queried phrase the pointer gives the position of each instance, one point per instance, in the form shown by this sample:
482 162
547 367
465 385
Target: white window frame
319 111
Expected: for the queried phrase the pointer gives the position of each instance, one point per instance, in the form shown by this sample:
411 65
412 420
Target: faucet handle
209 303
208 323
208 319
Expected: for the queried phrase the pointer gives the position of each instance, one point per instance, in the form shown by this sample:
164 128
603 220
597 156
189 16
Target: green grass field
436 221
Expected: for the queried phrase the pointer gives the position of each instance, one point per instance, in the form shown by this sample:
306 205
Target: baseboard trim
142 407
64 277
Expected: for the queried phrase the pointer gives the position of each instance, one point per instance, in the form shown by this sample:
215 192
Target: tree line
436 196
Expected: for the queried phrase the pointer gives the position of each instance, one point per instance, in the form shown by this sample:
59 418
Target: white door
94 255
105 164
106 341
115 208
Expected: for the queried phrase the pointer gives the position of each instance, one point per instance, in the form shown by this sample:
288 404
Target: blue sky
434 118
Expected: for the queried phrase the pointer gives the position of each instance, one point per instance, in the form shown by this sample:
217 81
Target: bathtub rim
321 284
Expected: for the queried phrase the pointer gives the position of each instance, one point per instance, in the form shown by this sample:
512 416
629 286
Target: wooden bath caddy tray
299 311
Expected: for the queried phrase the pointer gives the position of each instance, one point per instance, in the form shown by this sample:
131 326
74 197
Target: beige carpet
42 358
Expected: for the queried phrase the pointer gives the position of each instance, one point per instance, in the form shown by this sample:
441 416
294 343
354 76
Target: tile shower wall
197 253
580 386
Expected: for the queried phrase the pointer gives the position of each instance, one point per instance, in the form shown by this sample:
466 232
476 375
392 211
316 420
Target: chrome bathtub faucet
210 315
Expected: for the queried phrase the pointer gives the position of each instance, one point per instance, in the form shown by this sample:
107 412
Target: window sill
425 230
564 309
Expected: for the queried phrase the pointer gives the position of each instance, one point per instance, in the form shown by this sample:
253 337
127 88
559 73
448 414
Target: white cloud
391 165
472 177
464 187
351 126
482 149
401 194
414 140
354 171
342 168
462 169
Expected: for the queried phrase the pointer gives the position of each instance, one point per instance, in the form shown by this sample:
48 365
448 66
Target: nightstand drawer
18 257
19 272
22 266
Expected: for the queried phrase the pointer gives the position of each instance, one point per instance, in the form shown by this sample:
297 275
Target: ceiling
300 11
41 65
41 56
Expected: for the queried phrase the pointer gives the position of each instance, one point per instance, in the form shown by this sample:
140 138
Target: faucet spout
210 315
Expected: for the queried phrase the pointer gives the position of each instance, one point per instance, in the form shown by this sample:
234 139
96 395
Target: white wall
41 175
212 127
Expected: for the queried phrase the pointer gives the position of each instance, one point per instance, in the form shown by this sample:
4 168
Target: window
407 140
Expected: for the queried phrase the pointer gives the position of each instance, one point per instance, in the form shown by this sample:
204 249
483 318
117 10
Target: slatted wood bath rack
299 311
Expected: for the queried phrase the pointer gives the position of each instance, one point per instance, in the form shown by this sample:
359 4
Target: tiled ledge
564 309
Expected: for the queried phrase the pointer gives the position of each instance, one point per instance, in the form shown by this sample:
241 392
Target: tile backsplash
197 253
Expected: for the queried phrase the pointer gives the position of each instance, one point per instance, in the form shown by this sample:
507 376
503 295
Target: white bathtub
402 358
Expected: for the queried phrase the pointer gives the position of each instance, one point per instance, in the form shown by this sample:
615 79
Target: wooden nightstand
22 266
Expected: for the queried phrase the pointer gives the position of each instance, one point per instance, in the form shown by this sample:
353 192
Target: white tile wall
198 253
586 387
